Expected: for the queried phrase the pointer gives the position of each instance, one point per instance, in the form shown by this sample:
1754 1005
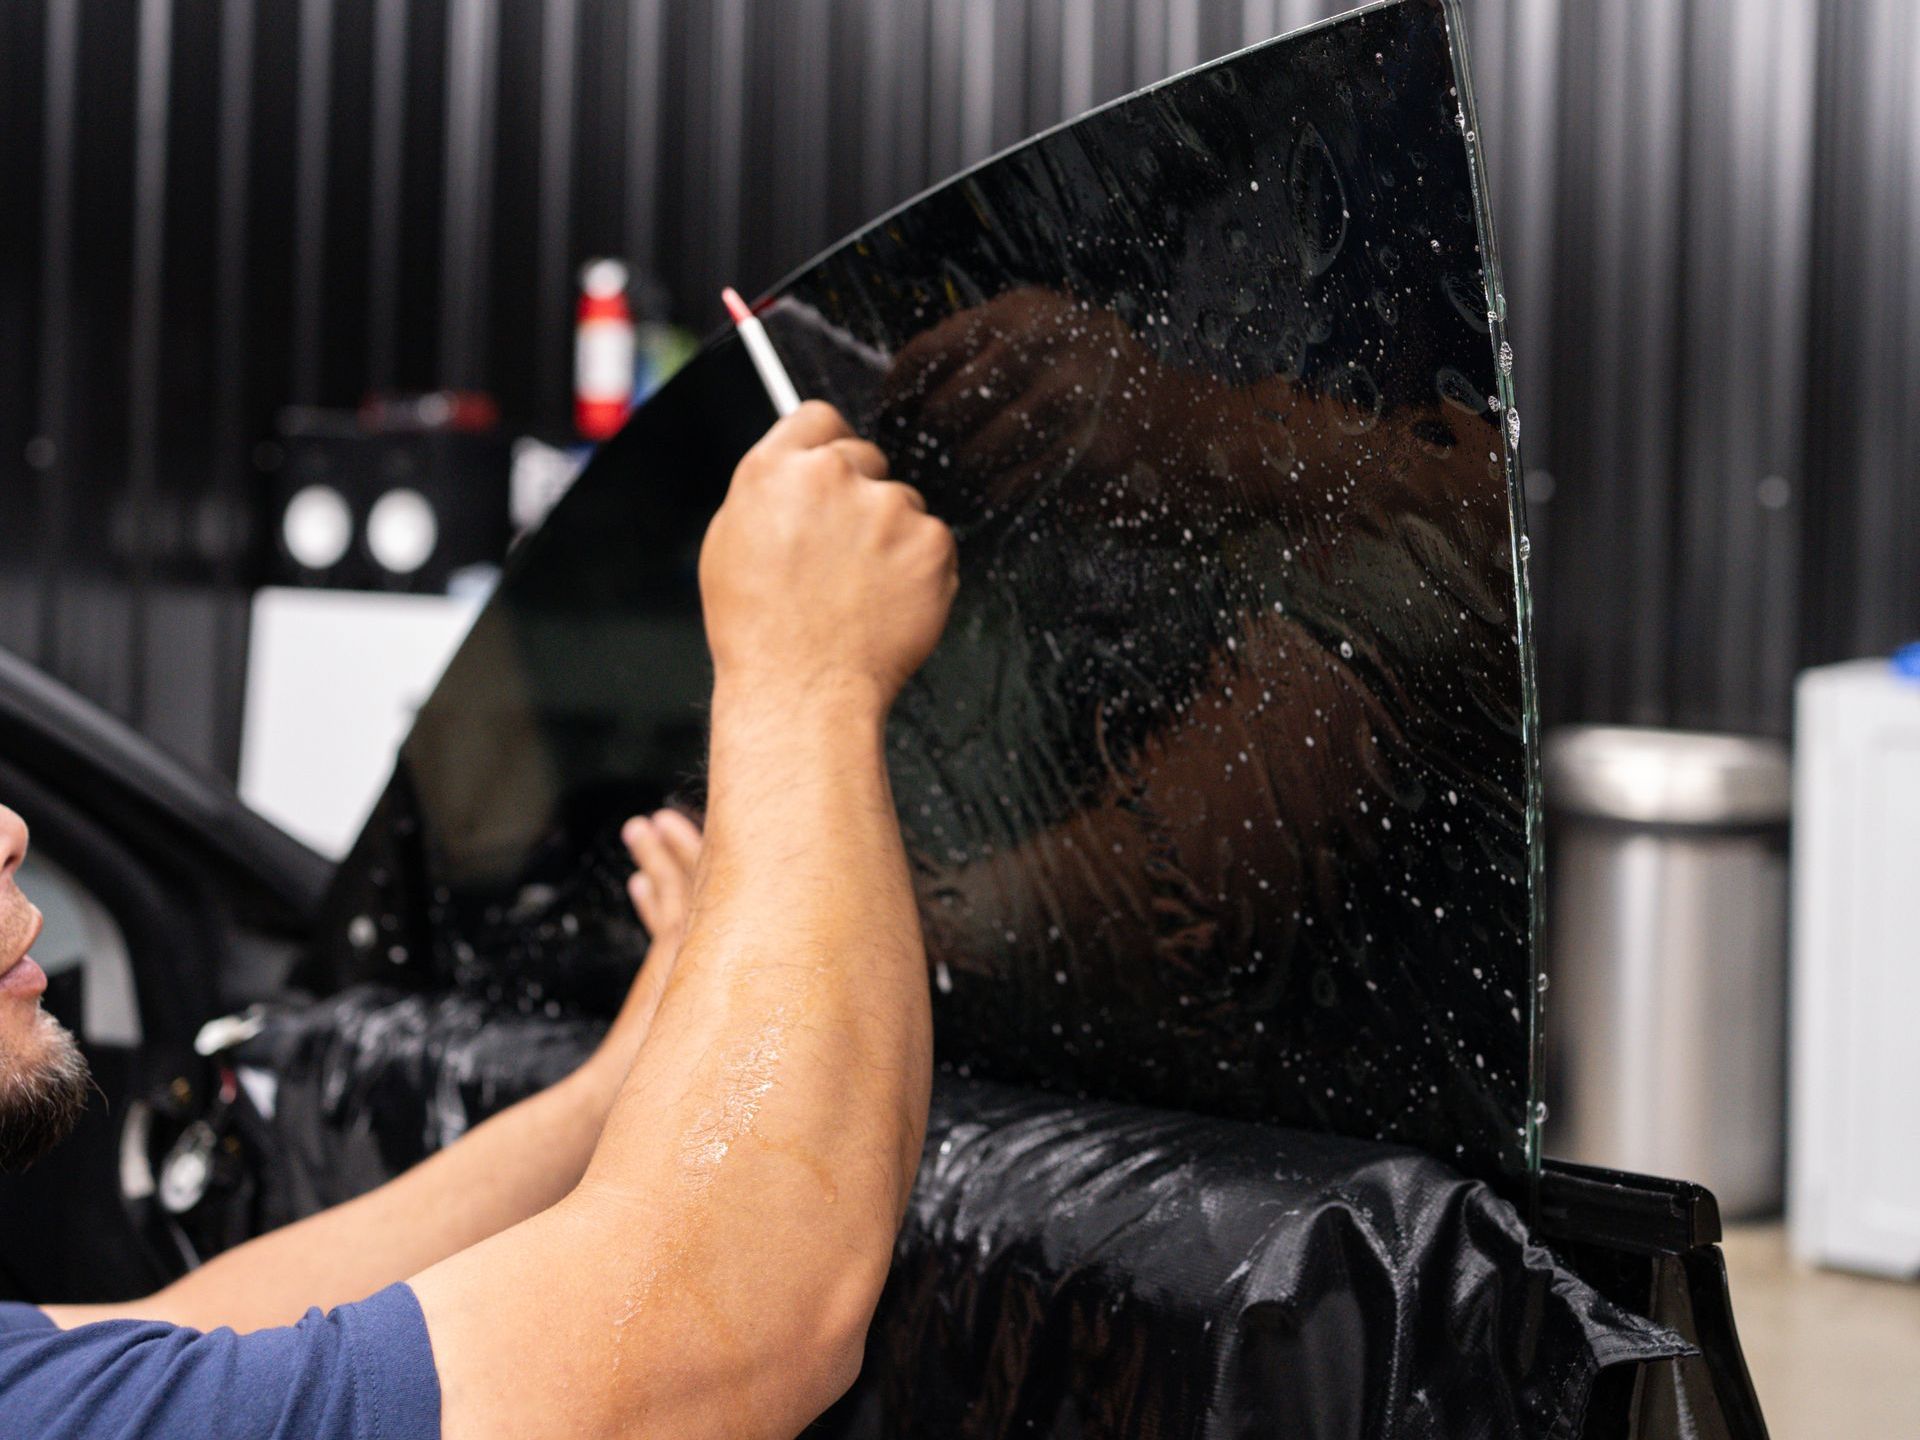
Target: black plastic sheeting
1218 791
361 1086
1089 1269
1068 1268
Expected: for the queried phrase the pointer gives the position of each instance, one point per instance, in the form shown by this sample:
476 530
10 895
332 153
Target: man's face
43 1079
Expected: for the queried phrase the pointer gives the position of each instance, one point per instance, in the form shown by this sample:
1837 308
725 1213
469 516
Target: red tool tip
736 307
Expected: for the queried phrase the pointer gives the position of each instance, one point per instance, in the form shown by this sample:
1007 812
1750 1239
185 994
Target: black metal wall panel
218 207
1861 556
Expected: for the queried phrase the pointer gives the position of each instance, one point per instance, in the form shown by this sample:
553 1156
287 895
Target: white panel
1888 1079
1854 1156
333 680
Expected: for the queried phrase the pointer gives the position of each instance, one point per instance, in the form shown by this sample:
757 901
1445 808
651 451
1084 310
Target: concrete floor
1832 1355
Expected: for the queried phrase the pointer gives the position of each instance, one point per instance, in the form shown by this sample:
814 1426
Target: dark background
211 208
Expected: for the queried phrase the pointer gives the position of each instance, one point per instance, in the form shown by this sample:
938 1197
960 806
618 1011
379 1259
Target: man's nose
13 842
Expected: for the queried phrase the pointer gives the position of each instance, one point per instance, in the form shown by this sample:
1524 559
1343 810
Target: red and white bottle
603 351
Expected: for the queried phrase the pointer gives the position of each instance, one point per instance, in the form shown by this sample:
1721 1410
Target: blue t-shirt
361 1372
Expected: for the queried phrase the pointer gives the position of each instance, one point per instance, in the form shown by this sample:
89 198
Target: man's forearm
743 1199
513 1165
805 896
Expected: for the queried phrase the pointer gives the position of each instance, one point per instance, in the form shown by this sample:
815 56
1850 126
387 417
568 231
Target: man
687 1238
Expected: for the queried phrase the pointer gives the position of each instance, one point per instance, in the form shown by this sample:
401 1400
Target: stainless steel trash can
1666 941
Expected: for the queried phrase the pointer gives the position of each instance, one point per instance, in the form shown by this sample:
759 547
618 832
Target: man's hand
665 847
821 577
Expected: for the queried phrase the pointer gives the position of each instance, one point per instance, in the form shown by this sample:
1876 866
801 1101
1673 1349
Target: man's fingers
814 423
667 880
682 838
640 889
864 456
640 892
907 493
630 836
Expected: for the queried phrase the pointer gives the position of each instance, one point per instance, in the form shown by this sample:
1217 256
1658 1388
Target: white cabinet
1854 1143
333 680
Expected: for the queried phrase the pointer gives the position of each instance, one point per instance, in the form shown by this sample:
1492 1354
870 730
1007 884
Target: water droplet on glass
1467 293
1358 395
1319 208
1457 390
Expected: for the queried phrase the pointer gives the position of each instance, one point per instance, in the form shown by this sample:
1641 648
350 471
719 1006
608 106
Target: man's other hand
821 577
665 847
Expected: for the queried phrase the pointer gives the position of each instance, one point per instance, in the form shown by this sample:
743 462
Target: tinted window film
1217 790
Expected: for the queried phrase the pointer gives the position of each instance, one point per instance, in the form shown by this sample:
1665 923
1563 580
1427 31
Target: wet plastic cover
1218 790
1068 1268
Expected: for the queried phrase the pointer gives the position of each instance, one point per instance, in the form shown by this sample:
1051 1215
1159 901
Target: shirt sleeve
360 1372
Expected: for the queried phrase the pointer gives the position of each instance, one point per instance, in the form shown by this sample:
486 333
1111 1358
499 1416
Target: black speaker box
352 509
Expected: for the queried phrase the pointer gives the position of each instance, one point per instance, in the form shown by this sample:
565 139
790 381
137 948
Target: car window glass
1217 791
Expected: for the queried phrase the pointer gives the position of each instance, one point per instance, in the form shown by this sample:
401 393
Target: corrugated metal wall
218 206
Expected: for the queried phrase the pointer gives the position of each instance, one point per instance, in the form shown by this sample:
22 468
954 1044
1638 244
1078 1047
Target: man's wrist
834 709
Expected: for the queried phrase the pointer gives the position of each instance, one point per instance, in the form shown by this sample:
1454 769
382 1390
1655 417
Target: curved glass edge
1522 589
880 222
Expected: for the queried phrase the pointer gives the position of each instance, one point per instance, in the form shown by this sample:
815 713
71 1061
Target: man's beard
42 1096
